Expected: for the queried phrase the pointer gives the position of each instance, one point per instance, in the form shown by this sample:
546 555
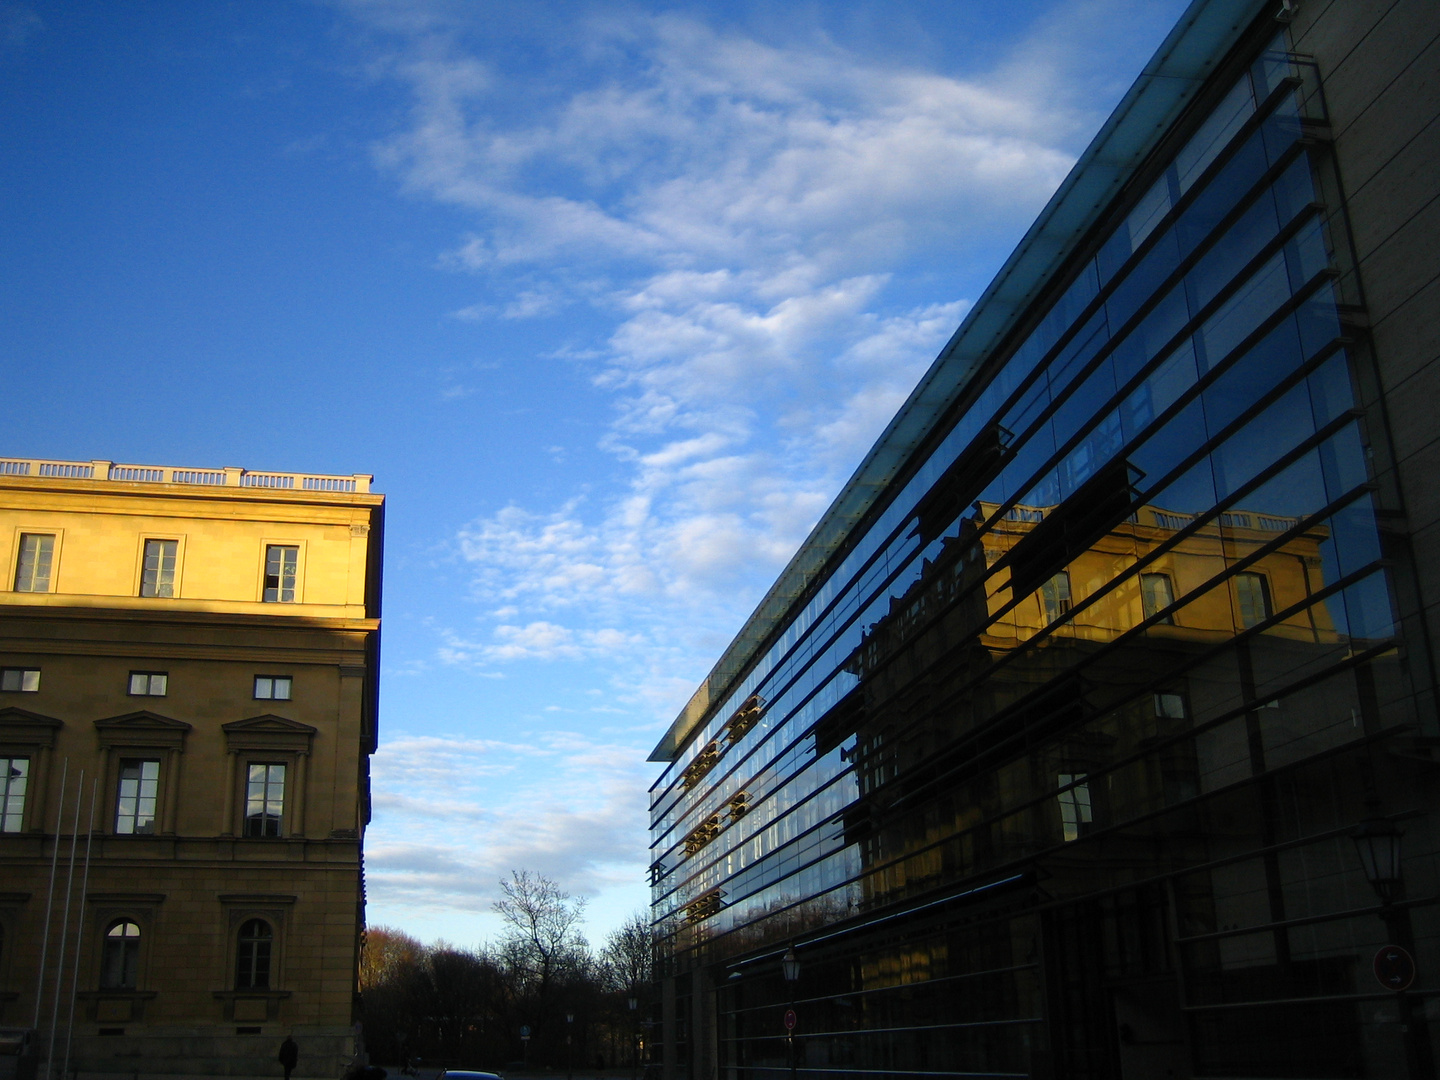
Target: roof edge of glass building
1165 88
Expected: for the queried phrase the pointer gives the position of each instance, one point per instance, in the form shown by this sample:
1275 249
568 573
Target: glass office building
1048 754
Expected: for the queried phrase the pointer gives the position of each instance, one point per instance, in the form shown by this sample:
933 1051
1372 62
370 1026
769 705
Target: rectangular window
1156 594
136 796
149 683
157 575
1170 706
21 680
281 564
272 687
1055 594
32 569
1253 593
1074 804
14 777
264 799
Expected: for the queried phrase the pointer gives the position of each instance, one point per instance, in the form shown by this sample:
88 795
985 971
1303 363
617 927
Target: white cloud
769 237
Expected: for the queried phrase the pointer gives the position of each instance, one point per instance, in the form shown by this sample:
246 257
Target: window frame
286 795
146 539
6 780
138 798
1266 595
151 676
13 579
22 688
128 947
270 940
289 681
1148 607
299 590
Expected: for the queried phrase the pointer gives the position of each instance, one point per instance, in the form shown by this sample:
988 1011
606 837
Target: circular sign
790 1020
525 1031
1395 968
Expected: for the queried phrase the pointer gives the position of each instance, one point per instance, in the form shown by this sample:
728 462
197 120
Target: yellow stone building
194 654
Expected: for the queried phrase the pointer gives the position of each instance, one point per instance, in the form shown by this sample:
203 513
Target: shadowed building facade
1047 753
194 654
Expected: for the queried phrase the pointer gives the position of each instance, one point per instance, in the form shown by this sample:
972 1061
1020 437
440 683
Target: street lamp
790 968
1377 843
634 1003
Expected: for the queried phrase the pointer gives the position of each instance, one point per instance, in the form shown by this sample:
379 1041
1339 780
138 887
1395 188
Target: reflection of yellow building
201 645
948 658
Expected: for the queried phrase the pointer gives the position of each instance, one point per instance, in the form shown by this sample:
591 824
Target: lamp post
634 1003
790 968
1377 843
569 1048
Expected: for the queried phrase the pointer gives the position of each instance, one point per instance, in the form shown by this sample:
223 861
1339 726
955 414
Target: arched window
120 958
252 958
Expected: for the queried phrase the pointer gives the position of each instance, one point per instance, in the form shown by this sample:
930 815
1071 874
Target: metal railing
164 474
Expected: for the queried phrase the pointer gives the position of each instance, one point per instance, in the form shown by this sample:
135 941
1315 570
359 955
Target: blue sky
611 298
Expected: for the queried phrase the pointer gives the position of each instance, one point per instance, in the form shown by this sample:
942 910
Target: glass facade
1053 773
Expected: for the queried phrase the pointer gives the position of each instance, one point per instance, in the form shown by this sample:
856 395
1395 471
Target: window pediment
269 732
142 728
21 727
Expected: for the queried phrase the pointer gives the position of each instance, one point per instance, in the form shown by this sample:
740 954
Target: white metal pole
64 926
80 930
50 897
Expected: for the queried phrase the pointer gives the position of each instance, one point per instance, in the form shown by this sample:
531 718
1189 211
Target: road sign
525 1031
790 1020
1395 968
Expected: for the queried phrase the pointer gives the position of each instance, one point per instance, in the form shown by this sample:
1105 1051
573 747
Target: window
252 958
1074 804
272 687
281 564
120 957
264 799
14 777
32 570
135 797
1055 596
149 683
20 680
1156 594
157 574
1253 593
1170 706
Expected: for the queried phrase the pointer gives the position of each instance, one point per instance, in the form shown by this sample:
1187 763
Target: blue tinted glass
1262 441
1154 333
1367 610
1157 265
1181 436
1295 189
1192 492
1246 308
1164 386
1222 193
1354 536
1343 459
1252 376
1255 228
1330 391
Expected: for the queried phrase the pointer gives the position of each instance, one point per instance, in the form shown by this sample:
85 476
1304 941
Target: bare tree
543 927
629 954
